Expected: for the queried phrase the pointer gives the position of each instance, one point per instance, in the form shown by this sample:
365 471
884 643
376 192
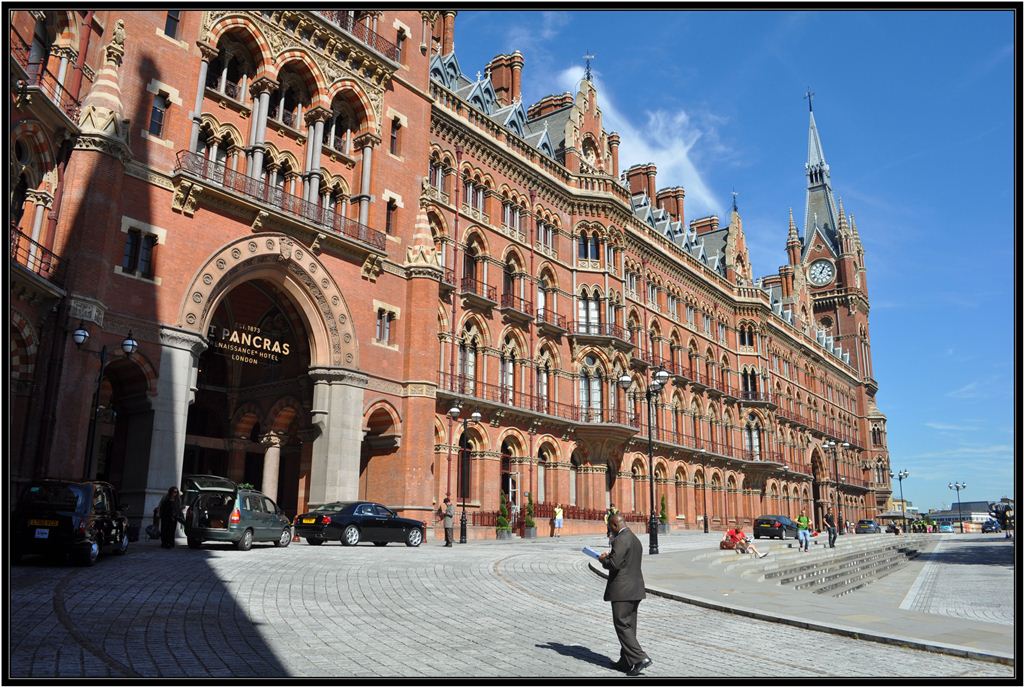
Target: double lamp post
959 486
475 417
128 346
659 378
902 475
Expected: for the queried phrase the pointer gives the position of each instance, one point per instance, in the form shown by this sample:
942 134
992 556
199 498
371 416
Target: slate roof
708 248
820 217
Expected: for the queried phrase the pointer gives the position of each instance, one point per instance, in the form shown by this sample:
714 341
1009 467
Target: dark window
156 118
138 253
389 219
395 127
171 25
399 46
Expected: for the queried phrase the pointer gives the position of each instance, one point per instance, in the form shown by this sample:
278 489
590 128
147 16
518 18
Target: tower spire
821 212
587 74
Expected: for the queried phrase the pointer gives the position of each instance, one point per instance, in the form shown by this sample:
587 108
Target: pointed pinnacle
792 227
842 217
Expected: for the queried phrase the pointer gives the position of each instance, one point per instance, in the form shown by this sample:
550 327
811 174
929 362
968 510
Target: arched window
542 472
544 384
752 437
507 371
637 492
469 261
590 389
588 312
467 360
680 485
595 247
583 246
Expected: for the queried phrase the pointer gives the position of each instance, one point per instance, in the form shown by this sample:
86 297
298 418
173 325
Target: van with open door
217 509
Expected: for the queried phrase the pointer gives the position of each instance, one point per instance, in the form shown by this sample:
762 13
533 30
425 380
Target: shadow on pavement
994 553
580 652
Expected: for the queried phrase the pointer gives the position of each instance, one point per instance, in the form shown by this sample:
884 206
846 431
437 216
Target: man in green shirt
803 530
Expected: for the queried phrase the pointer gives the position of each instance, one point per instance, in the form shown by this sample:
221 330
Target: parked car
56 518
946 529
216 509
351 522
990 526
867 527
774 526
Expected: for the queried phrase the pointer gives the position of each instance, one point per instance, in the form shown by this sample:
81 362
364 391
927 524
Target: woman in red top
740 542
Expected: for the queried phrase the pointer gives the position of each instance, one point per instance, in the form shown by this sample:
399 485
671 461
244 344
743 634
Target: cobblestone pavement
983 563
483 609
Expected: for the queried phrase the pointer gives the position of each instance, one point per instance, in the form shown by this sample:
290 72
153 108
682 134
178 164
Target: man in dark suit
625 589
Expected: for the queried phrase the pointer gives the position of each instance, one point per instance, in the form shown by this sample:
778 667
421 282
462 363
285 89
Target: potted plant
504 530
530 532
663 516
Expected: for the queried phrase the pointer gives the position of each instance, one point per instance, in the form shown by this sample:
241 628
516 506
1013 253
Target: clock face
821 272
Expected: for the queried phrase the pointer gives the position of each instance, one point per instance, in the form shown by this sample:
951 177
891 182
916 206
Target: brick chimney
500 70
704 224
652 181
672 200
516 61
448 32
549 104
636 179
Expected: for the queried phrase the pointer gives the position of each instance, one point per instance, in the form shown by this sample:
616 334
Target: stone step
826 574
811 563
855 580
800 561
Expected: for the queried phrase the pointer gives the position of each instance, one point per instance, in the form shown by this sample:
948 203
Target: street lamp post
659 378
129 345
704 487
902 475
834 448
958 486
475 416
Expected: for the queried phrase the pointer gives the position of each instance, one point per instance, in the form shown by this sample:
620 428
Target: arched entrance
124 418
253 394
299 410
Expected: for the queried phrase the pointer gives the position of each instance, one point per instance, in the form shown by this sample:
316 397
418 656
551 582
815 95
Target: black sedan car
56 518
774 526
351 522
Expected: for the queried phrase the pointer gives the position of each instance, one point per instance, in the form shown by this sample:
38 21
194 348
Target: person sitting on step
736 539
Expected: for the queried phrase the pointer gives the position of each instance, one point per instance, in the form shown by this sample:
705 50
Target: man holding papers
624 590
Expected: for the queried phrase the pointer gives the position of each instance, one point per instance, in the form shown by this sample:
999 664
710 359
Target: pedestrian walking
625 590
612 510
170 516
558 520
830 525
803 531
448 512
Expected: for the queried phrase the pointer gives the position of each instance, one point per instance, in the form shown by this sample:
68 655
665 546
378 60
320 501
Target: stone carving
314 247
372 267
114 50
257 223
191 203
180 195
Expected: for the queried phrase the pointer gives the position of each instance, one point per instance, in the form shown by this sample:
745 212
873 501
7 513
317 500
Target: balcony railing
35 257
514 302
494 393
754 396
478 288
546 316
345 20
597 329
43 79
449 277
199 166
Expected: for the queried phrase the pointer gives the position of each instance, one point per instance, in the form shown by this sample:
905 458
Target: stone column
42 200
262 88
208 53
337 413
236 458
366 142
317 116
307 436
271 463
176 387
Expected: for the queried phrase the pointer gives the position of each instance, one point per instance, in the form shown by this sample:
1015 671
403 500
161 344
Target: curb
842 630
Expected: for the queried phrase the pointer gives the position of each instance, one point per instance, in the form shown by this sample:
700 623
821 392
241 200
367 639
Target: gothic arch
279 259
252 38
282 413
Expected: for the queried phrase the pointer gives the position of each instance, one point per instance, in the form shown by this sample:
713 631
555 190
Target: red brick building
323 236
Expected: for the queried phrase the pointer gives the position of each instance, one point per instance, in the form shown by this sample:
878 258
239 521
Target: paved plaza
524 608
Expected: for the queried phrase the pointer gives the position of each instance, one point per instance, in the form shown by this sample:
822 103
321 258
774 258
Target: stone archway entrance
237 402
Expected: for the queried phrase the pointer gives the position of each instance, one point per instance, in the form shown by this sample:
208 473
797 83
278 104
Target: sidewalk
872 613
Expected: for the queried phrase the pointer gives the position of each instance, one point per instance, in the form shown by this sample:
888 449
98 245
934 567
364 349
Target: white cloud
665 137
944 427
969 390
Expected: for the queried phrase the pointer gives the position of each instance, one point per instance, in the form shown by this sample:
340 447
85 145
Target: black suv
56 518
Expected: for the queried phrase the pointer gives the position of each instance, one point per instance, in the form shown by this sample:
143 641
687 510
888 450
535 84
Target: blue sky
915 112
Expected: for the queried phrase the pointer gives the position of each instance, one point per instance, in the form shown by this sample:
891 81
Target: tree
503 516
529 510
663 515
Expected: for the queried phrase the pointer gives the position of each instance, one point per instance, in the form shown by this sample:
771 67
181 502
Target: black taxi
58 518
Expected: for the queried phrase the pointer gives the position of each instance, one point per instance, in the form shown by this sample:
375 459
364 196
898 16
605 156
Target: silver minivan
217 509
